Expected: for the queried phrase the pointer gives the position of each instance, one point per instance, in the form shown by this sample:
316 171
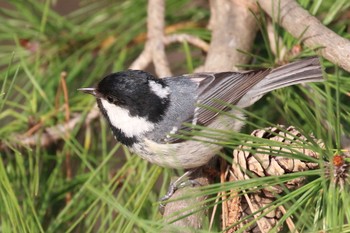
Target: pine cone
259 161
270 160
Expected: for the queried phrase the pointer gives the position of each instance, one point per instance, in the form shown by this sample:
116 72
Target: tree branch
155 36
143 60
146 57
154 48
52 134
196 41
234 27
298 22
174 212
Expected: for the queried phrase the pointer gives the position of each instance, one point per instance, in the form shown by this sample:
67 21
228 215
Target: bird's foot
180 182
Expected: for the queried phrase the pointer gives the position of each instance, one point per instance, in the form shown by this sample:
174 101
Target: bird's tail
303 71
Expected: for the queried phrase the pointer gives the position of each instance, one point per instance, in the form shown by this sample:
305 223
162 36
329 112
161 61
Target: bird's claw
177 184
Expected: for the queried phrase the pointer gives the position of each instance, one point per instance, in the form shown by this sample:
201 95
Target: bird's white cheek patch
159 90
121 119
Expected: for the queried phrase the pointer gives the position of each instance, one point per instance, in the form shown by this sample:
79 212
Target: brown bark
299 23
155 45
233 27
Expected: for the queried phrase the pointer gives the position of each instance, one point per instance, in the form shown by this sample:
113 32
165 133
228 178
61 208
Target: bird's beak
88 90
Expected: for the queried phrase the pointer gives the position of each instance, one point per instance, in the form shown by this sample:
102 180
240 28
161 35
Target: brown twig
224 204
63 76
146 57
65 95
34 129
298 22
196 41
52 134
155 48
231 204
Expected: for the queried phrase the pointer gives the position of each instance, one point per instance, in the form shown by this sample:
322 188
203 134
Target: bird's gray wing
215 91
245 88
219 89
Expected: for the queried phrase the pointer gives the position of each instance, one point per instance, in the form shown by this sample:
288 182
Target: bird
145 113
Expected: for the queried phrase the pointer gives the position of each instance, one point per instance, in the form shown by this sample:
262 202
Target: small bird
145 112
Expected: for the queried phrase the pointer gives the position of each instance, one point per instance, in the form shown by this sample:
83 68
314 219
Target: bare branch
298 22
175 209
155 36
143 60
154 50
146 57
234 27
52 134
196 41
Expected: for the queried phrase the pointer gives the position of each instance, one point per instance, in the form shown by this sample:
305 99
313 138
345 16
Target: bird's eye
110 99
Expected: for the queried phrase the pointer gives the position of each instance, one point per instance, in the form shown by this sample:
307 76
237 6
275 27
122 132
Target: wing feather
214 89
244 88
228 87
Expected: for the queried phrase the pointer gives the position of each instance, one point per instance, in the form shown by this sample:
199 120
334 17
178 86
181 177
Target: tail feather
303 71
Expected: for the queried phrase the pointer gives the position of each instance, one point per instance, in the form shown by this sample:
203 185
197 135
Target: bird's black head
139 92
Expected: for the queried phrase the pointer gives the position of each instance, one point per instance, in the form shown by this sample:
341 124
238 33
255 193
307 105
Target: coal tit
144 111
